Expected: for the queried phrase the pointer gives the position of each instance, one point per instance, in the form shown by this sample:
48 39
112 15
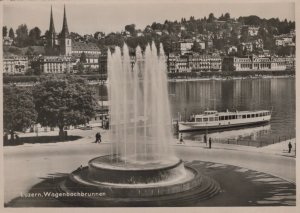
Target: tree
63 101
226 17
82 58
18 109
34 36
98 35
80 67
11 33
211 17
22 35
196 47
130 28
4 31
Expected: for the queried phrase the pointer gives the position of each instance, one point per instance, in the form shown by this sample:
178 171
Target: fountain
142 168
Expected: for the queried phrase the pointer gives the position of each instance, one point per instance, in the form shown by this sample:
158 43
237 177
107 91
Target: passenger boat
220 120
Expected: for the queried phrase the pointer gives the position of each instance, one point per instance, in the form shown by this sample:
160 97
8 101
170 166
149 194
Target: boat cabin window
216 118
226 117
252 115
221 118
239 117
248 116
244 116
210 112
211 119
205 119
198 119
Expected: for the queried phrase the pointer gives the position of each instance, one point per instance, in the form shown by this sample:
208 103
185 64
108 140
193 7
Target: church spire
51 27
65 30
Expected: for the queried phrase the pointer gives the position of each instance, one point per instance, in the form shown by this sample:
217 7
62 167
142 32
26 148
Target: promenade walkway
26 165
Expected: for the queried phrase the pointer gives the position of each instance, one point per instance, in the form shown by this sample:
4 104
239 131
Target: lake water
278 94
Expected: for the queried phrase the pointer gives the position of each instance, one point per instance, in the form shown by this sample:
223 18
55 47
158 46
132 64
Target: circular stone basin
115 170
133 182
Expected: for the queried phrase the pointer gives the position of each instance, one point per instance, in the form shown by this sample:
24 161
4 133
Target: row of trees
54 102
24 37
9 33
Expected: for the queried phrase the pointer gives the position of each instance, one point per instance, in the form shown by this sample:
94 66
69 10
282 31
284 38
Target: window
205 119
198 119
248 116
211 119
221 118
216 118
226 117
252 115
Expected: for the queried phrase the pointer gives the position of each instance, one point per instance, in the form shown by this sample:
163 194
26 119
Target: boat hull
186 127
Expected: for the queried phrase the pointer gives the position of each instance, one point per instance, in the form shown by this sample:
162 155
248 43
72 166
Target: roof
81 46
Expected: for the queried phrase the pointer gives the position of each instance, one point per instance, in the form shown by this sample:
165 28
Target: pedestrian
205 138
97 137
209 142
181 139
290 147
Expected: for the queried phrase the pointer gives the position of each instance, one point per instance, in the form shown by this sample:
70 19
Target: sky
112 16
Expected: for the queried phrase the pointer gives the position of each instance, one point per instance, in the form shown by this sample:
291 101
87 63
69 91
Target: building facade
13 65
254 63
53 64
194 63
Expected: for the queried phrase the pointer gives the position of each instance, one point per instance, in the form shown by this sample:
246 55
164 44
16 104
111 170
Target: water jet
142 168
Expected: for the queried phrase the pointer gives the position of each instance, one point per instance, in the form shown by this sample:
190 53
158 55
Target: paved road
27 165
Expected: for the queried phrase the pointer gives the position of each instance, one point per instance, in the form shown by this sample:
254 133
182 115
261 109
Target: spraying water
140 120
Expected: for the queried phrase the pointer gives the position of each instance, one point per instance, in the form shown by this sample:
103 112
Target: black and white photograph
119 104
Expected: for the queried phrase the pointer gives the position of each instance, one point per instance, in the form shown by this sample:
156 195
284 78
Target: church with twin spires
62 54
60 44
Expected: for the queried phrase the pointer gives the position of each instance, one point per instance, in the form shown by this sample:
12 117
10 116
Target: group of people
205 140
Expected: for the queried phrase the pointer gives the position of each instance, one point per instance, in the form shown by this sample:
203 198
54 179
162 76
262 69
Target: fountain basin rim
108 166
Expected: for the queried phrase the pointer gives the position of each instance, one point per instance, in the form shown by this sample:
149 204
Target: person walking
209 143
181 139
205 138
98 137
290 146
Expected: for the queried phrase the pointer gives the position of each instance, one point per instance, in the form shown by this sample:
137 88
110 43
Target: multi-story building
252 30
13 65
52 64
248 46
91 51
254 63
182 47
171 62
199 63
193 63
284 40
7 41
